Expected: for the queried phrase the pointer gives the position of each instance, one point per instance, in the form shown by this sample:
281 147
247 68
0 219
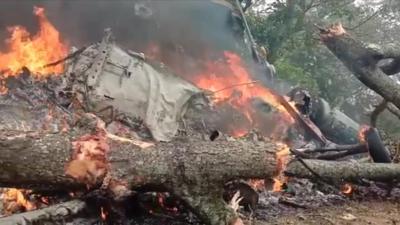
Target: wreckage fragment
112 82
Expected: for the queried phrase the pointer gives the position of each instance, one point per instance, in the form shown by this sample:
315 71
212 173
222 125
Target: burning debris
282 160
127 130
15 200
33 52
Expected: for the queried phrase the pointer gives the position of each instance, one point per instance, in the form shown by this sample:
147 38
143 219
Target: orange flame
219 77
362 133
347 189
257 184
18 196
33 52
230 82
282 159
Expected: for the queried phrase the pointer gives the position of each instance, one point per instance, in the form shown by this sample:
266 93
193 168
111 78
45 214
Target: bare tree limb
367 19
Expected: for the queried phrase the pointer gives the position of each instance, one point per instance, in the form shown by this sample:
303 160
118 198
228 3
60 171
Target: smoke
183 31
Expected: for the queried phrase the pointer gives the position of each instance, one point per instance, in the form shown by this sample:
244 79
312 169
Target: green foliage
295 75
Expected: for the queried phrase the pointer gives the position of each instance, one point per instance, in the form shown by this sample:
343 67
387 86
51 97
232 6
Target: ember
347 189
33 52
362 133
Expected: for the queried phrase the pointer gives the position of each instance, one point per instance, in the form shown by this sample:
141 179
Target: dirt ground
352 213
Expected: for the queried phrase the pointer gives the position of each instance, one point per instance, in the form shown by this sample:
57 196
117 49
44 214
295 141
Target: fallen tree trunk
38 160
190 168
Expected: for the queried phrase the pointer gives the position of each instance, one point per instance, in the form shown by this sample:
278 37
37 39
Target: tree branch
377 111
366 19
362 62
395 111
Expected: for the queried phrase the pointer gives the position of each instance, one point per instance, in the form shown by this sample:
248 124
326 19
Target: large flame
33 52
220 76
229 81
282 159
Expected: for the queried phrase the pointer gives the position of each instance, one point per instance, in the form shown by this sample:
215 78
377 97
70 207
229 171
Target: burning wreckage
114 126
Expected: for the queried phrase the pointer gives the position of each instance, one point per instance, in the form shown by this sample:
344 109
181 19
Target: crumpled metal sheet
108 76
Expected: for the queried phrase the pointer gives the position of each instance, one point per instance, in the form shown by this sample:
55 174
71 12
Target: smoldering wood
54 214
351 171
